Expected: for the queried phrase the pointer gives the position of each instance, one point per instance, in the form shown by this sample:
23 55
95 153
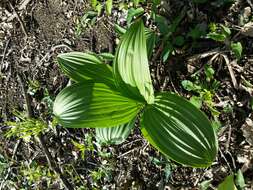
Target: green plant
103 172
87 146
221 33
86 21
205 89
25 127
34 86
108 5
98 6
168 40
109 97
3 165
233 182
35 174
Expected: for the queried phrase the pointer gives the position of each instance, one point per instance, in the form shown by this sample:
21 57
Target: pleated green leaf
180 131
131 67
114 135
151 41
85 66
90 104
150 35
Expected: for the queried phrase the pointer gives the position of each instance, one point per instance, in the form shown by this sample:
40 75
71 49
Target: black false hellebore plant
109 99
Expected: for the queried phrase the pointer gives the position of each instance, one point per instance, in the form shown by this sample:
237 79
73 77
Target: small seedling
204 88
86 146
85 22
35 174
221 33
25 127
97 6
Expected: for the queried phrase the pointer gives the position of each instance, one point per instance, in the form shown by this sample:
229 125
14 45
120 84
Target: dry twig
15 150
19 20
5 49
53 165
231 72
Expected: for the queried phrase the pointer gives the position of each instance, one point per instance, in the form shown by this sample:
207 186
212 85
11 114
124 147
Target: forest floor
34 32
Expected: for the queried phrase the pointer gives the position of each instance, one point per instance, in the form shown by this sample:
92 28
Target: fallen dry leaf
247 129
247 29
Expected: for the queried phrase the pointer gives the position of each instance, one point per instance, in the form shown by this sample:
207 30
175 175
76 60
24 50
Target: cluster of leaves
3 165
88 146
35 174
86 21
108 98
221 33
167 38
205 89
108 5
25 127
97 5
30 174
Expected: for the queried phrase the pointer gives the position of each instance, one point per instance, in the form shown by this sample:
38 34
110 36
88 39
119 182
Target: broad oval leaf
114 135
85 66
90 104
180 131
131 67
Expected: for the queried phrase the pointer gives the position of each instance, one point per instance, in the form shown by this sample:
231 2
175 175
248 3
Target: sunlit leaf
108 7
217 37
107 56
205 184
228 183
131 67
239 180
237 49
93 3
150 36
85 66
133 13
196 101
89 104
179 130
114 135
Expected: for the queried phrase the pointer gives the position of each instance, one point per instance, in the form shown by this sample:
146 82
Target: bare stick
19 20
203 55
52 163
27 97
231 72
228 140
49 157
5 49
15 150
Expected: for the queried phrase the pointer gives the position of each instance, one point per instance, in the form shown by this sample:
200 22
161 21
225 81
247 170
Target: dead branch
19 20
53 165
